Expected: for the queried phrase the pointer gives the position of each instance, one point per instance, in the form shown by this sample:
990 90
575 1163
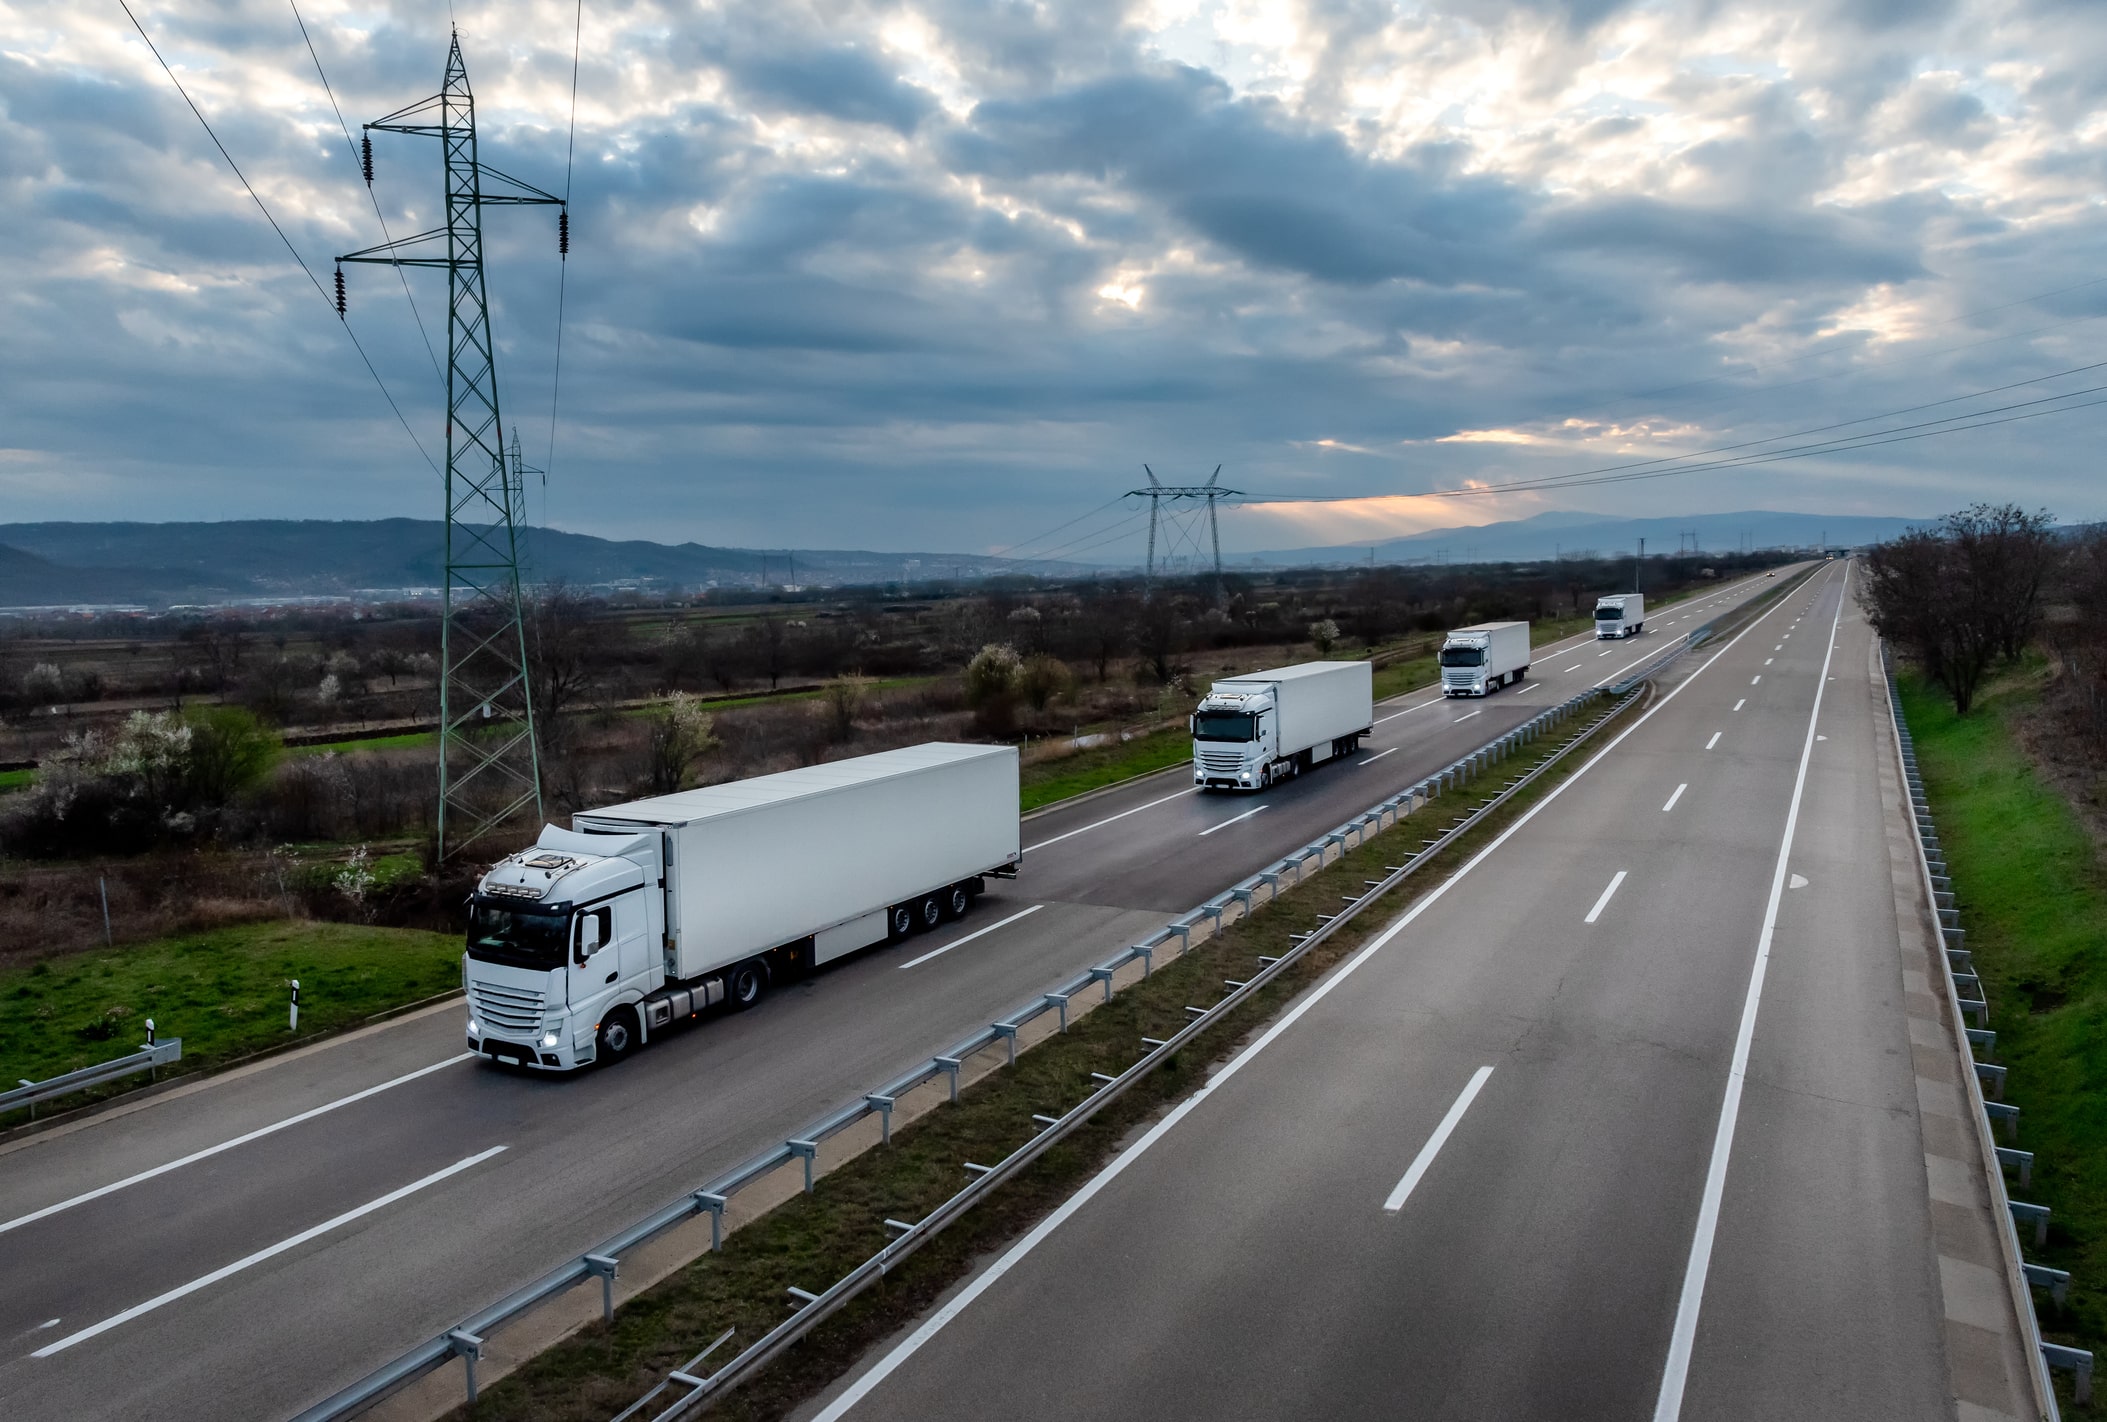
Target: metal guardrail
466 1340
153 1054
1960 974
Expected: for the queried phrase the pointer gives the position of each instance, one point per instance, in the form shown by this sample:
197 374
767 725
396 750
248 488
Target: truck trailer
1476 661
1250 731
1619 615
641 914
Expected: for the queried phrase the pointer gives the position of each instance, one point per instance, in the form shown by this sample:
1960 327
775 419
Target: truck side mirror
588 936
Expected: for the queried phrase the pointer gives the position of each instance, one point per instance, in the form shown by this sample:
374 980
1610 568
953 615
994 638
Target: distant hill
158 563
1550 535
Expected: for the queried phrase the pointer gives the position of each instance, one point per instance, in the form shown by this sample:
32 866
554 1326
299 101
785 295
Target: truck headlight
474 1028
548 1039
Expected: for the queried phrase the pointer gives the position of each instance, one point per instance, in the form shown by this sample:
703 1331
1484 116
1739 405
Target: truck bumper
564 1056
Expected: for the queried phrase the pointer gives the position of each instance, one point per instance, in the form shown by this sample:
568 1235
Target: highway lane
1471 1186
579 1157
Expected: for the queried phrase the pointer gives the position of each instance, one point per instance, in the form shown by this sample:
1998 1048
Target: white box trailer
1249 731
1478 660
1619 615
646 912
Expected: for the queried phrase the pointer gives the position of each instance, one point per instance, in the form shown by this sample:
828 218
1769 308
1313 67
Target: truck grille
514 1009
1456 678
1221 762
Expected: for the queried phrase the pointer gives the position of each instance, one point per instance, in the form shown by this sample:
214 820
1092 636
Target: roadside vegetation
811 1241
224 991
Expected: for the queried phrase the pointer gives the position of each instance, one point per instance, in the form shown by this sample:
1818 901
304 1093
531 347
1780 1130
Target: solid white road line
1109 819
1675 797
1238 820
914 1342
1604 902
1668 1407
1715 737
1741 703
207 1280
1435 1142
1468 714
976 933
1380 754
259 1133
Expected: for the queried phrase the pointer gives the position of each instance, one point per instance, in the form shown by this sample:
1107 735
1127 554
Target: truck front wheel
618 1035
745 985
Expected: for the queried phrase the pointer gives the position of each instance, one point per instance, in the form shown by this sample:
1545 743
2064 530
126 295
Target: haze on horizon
944 275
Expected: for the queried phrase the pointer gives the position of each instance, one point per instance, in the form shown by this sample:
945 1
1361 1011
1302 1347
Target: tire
899 921
1522 673
618 1036
745 985
957 900
929 912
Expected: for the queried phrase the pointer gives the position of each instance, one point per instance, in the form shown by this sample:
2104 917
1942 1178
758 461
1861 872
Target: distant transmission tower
489 767
1172 524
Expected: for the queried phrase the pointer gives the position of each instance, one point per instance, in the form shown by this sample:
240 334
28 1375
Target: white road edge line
1604 902
1108 820
1237 820
1675 1374
1380 754
1675 797
906 1348
197 1155
1715 739
207 1280
1435 1142
976 933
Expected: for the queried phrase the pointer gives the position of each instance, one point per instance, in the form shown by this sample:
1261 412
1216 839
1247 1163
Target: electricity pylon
489 765
1158 491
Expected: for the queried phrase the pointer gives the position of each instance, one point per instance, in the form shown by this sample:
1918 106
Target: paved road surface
272 1271
1469 1186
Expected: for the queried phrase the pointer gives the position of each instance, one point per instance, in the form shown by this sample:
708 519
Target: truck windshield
1225 726
518 937
1463 656
1609 612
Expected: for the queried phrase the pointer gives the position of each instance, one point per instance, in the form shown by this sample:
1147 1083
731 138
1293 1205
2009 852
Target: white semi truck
645 913
1619 615
1476 661
1252 730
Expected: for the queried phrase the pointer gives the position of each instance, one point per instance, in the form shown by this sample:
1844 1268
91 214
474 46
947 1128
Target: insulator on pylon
340 293
563 232
365 156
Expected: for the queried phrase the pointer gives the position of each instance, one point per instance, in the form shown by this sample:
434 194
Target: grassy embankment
223 991
813 1240
2033 897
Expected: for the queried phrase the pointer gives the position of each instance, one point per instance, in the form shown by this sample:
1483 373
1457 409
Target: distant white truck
1476 661
648 912
1619 615
1251 731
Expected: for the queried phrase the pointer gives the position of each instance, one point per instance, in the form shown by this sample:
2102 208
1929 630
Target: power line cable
1026 543
255 198
404 276
563 270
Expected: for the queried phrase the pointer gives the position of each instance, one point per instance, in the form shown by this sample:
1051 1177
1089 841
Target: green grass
223 991
1073 775
17 779
2033 899
407 740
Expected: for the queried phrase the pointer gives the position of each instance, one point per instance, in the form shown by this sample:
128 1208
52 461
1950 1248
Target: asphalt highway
243 1246
1621 1123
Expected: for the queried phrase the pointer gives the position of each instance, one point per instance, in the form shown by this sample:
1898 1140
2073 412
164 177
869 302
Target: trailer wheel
957 901
929 912
745 985
617 1035
899 921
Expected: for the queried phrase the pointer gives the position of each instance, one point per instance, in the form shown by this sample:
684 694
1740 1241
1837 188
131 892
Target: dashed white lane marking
1239 819
1675 797
1380 754
1604 902
1741 703
1108 820
1468 714
1432 1148
1715 739
976 933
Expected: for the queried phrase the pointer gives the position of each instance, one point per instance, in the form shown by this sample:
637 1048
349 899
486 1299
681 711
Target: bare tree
561 639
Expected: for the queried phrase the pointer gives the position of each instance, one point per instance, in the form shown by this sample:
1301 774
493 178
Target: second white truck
1251 731
644 913
1619 615
1476 661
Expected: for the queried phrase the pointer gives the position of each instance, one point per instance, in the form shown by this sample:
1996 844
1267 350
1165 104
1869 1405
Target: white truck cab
1619 615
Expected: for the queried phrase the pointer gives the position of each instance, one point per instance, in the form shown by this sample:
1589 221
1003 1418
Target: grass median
224 991
811 1241
2033 897
1053 780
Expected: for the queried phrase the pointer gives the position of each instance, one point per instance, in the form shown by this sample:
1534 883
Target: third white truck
1250 731
643 914
1619 615
1477 661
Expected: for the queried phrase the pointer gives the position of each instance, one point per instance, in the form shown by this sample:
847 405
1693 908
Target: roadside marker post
292 1021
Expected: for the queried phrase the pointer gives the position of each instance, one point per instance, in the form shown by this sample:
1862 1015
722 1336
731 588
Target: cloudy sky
944 274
